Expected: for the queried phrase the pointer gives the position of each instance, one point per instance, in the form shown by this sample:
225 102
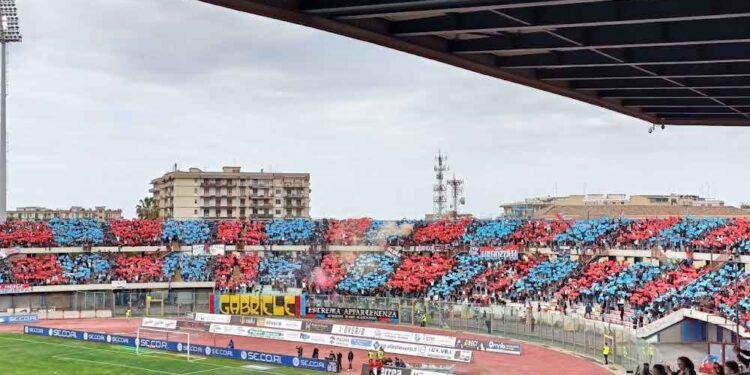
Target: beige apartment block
100 213
232 194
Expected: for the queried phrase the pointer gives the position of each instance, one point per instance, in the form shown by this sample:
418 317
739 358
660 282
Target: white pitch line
116 365
207 370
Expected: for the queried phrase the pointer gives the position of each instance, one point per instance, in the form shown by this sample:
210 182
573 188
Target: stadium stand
368 273
596 272
418 272
136 232
492 232
76 232
441 232
465 269
25 234
332 269
348 231
188 232
650 290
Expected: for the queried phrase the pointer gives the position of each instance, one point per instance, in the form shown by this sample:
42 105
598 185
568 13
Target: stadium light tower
9 33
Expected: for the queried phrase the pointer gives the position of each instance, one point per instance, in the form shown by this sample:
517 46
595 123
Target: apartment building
100 213
232 194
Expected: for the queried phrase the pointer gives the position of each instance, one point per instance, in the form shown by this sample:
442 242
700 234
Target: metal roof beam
694 110
612 37
682 92
646 83
626 72
688 102
701 116
574 16
702 54
361 9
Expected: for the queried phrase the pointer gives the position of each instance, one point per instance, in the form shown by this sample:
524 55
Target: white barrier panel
411 349
213 318
159 323
389 334
295 325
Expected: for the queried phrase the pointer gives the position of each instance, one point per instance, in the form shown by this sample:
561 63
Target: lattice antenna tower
456 187
439 190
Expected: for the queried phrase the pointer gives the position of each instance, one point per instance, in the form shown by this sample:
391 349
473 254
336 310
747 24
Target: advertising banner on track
212 318
159 323
202 350
295 325
489 346
352 314
254 305
16 319
394 335
317 327
387 370
418 350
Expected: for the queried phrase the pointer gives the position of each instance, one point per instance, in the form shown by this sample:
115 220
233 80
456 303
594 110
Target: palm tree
147 208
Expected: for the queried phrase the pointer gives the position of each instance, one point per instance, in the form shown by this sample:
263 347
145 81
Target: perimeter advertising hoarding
202 350
352 314
393 335
159 323
254 305
489 346
15 319
387 370
417 350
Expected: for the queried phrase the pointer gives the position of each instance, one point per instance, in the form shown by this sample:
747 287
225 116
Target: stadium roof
673 62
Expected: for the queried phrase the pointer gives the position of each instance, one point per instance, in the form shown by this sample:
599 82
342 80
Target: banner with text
15 319
387 334
14 288
236 304
352 314
172 346
417 350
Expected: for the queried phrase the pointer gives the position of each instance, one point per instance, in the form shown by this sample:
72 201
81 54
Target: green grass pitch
34 355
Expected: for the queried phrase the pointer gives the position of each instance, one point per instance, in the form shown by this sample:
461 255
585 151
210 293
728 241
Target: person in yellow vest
381 354
371 355
127 313
605 353
423 323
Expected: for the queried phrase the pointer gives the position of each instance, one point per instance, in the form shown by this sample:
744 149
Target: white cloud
107 95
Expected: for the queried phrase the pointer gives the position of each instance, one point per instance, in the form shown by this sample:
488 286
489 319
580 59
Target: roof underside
673 62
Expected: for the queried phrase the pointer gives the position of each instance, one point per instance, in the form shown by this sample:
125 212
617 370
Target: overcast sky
106 95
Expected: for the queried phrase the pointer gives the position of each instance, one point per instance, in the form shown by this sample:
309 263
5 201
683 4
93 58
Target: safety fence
572 333
119 302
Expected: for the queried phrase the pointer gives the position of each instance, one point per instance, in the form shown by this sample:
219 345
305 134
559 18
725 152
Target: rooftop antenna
439 189
9 33
457 192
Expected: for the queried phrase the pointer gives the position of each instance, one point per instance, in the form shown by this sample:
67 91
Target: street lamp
9 33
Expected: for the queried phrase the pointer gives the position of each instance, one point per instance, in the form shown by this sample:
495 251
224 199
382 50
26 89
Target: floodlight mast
9 33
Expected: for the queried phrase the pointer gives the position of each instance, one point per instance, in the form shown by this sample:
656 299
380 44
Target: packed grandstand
466 260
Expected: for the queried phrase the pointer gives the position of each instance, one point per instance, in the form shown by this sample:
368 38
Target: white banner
411 349
206 250
388 334
295 325
159 323
119 284
213 318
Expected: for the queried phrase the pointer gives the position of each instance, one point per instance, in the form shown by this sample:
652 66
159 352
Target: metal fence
163 302
572 333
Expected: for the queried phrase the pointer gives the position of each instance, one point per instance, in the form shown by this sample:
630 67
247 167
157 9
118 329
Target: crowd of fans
689 233
464 274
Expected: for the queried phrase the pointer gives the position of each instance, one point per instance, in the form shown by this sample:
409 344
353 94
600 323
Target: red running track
534 360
